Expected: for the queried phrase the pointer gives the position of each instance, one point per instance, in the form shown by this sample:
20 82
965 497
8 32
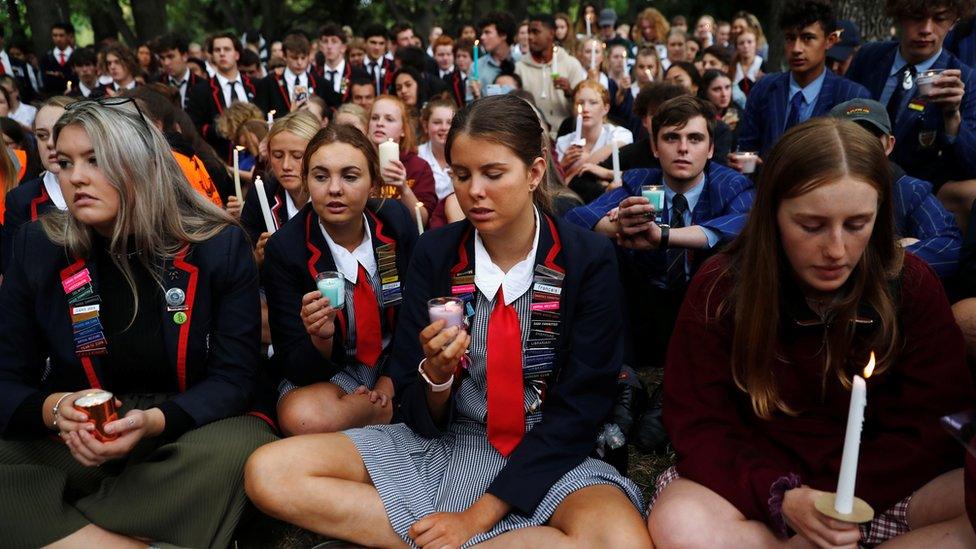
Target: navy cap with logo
867 111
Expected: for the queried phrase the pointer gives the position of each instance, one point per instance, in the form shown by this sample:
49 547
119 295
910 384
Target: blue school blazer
764 120
214 353
921 148
589 351
293 257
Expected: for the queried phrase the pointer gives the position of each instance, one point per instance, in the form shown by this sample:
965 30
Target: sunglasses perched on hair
111 102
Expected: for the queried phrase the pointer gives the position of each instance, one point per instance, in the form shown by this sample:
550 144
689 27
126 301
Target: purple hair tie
776 493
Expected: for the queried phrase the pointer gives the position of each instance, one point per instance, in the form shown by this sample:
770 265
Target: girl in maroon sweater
760 365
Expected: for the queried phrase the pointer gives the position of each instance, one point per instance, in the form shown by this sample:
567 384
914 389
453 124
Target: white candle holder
861 513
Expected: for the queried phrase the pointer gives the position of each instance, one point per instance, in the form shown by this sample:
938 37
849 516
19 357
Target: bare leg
94 536
326 408
957 197
937 516
687 514
320 483
965 313
595 516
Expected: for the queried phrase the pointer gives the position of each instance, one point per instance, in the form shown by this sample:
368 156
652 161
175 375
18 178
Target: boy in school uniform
782 100
278 92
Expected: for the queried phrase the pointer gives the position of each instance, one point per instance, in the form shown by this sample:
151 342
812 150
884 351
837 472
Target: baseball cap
607 17
864 110
850 38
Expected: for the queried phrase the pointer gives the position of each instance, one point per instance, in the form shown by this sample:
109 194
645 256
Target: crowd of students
248 243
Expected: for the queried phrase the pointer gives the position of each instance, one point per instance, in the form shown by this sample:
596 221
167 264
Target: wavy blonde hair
157 206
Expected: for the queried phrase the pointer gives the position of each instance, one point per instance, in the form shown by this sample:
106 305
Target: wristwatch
665 236
434 387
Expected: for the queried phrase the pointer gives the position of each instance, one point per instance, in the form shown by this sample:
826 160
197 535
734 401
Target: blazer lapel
825 100
180 279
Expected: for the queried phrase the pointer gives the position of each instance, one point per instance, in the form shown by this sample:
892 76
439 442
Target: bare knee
965 314
677 522
266 477
304 414
615 531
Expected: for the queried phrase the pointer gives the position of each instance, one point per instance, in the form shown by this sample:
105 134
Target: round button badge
179 318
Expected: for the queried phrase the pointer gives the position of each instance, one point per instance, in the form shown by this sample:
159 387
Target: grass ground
258 531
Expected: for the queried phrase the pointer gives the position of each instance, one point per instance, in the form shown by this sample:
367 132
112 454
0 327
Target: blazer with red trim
589 351
214 354
272 93
24 203
348 74
204 103
294 255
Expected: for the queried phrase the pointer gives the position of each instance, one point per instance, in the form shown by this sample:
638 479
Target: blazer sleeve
940 241
297 359
963 145
251 217
13 219
231 371
265 87
21 354
582 394
751 126
410 390
715 448
736 194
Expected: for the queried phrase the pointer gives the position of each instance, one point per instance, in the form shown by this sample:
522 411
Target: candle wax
452 313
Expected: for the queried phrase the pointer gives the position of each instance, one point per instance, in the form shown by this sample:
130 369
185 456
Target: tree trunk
150 18
102 25
16 23
41 14
114 12
774 36
868 15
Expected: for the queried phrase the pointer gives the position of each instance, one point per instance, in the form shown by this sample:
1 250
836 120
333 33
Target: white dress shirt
54 190
239 93
488 277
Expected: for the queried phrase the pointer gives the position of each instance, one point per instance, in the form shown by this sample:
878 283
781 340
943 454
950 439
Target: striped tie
677 256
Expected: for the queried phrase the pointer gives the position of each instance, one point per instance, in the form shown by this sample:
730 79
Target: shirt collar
290 76
488 277
900 62
67 52
348 262
811 91
290 205
184 78
691 195
223 80
54 190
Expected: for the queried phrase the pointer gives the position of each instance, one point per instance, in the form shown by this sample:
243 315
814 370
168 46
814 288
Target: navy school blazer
214 354
294 255
24 203
272 93
921 147
589 351
764 120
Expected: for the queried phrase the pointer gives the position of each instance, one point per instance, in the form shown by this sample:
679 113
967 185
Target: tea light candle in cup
926 81
332 285
449 309
748 161
655 195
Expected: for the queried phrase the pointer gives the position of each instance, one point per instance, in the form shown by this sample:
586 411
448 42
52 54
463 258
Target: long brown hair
810 155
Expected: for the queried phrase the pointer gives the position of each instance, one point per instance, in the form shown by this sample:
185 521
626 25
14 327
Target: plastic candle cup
655 195
748 160
449 309
332 285
926 81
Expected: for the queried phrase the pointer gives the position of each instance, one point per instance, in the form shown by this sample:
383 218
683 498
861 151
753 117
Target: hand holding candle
332 286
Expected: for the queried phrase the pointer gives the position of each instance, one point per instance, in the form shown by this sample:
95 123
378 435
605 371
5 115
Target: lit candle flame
476 43
579 109
272 112
869 369
239 147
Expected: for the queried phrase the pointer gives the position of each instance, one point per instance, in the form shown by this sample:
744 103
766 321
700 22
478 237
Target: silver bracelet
56 410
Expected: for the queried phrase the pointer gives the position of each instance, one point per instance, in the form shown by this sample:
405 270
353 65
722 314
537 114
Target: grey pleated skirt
417 476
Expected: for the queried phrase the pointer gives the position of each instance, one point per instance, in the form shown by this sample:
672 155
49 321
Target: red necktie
61 58
506 403
369 337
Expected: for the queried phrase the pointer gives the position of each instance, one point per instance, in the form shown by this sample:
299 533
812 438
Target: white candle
844 500
237 173
588 32
271 114
616 161
579 122
593 46
555 68
68 89
420 219
265 207
389 151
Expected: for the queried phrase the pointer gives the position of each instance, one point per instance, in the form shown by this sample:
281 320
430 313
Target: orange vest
198 177
22 158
